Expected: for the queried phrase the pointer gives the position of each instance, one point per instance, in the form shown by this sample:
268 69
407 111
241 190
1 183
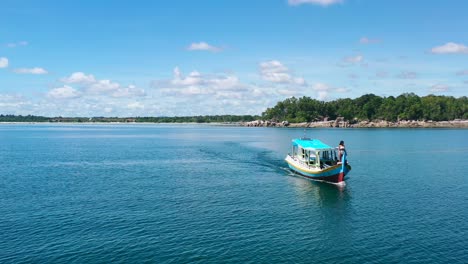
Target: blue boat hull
335 174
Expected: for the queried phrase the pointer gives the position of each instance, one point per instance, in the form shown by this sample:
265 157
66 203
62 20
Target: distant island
406 110
175 119
369 110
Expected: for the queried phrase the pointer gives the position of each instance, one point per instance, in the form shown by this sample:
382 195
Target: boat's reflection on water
327 209
320 193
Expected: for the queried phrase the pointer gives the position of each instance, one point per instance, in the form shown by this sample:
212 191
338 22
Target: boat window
328 154
312 158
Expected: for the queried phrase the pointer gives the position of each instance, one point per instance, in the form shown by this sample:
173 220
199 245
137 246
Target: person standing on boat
341 150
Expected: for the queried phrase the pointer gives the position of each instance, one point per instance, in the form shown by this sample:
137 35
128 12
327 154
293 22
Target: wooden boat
313 159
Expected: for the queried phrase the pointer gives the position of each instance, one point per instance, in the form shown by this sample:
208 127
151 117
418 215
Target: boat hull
333 174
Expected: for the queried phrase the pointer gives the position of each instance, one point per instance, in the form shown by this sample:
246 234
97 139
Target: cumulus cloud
439 88
11 103
407 75
65 92
17 44
353 59
341 90
450 48
35 70
194 78
353 76
92 86
464 72
225 82
129 91
381 74
196 93
79 77
135 105
275 71
323 90
196 83
103 86
366 40
203 46
3 62
315 2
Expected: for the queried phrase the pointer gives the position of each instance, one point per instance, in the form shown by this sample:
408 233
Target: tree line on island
408 106
175 119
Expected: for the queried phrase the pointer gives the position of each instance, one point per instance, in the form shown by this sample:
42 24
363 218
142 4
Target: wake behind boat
313 159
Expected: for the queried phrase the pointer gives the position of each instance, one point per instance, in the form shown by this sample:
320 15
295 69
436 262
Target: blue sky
167 58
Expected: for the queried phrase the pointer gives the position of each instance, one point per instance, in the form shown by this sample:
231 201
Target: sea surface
220 194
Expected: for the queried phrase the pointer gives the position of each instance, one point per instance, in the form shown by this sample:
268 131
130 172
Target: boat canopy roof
311 144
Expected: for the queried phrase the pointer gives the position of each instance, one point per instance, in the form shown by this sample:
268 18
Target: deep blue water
212 194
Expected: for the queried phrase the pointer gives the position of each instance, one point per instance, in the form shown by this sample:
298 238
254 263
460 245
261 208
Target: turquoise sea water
212 194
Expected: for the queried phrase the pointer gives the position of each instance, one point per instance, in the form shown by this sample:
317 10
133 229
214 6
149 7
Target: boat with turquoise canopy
313 159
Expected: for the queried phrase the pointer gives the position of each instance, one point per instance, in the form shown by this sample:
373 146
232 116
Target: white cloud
194 78
3 62
464 72
16 44
65 92
129 91
199 93
135 105
35 70
353 59
321 87
322 95
323 90
439 88
407 75
79 77
224 82
275 71
342 90
198 84
12 103
450 48
366 40
353 76
91 86
381 74
203 46
316 2
103 86
290 92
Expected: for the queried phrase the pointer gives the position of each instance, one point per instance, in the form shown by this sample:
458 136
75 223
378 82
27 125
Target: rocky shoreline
340 123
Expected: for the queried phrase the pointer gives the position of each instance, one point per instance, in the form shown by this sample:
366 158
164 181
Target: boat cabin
314 153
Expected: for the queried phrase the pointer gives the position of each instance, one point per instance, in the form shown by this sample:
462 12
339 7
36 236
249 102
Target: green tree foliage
198 119
176 119
20 118
408 106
